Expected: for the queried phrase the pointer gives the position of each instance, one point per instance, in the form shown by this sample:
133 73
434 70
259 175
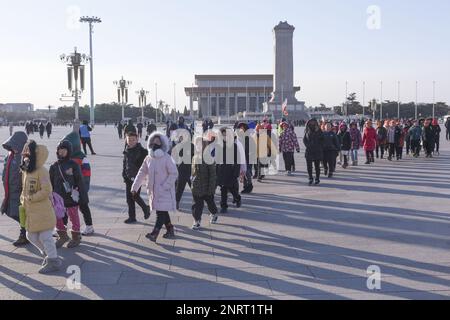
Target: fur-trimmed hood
165 144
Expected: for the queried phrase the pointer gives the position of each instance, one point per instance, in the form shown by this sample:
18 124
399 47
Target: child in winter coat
355 136
381 140
369 141
331 148
313 141
415 134
133 157
161 173
203 185
67 181
35 199
12 181
80 158
288 144
346 143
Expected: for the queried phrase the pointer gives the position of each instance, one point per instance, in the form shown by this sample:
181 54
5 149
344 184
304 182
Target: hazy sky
171 41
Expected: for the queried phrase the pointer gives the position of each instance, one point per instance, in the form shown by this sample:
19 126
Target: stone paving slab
288 241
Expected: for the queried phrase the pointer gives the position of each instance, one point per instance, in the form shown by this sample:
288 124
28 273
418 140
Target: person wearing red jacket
369 141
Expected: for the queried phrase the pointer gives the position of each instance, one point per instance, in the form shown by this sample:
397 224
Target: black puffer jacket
313 141
184 169
227 173
345 140
331 141
132 161
68 170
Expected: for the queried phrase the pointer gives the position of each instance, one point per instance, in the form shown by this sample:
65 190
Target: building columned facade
16 107
228 95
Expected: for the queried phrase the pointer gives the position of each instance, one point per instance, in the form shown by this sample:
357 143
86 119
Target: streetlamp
75 71
122 93
91 21
142 94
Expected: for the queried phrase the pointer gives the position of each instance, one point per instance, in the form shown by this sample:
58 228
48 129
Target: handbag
75 195
58 205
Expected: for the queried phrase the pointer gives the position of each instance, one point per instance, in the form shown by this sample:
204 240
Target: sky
168 42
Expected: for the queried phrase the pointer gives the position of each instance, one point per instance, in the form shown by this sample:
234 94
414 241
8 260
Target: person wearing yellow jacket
35 199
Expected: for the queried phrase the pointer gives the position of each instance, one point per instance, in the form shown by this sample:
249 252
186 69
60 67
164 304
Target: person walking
355 136
415 134
11 129
48 128
151 127
428 138
120 129
313 141
346 143
140 127
381 140
133 157
249 145
35 201
41 130
203 185
288 145
330 149
67 182
80 158
12 181
161 173
182 152
85 134
369 141
447 127
437 135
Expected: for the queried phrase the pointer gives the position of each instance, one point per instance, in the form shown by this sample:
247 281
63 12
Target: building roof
234 77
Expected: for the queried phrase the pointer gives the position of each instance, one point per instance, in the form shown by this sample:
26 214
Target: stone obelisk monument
284 88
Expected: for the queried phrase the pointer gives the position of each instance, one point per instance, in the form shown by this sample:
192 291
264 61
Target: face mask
156 147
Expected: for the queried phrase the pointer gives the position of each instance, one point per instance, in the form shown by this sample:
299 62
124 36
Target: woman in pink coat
160 171
369 141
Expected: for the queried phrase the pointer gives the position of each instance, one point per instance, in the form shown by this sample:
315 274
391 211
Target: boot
62 239
22 240
170 234
52 265
154 235
147 212
311 181
76 240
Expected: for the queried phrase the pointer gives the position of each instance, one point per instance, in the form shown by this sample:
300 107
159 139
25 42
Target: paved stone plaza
288 241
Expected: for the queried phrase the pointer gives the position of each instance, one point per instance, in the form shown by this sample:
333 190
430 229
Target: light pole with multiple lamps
75 72
91 21
122 93
142 94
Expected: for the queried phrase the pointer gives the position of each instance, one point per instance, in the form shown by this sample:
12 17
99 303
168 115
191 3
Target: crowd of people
330 144
44 202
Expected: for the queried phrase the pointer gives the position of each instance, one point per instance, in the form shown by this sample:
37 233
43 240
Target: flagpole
398 101
346 98
434 99
381 101
364 99
416 115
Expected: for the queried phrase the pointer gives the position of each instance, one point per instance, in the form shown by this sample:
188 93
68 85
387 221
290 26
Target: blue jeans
354 153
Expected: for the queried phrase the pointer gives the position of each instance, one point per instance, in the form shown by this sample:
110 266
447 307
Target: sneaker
130 221
21 241
196 225
317 182
311 181
170 234
88 230
52 265
213 218
154 235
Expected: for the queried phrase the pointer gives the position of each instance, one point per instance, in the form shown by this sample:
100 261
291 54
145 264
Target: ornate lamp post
75 72
122 93
142 94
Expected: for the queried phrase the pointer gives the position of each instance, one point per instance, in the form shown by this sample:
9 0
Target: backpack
58 205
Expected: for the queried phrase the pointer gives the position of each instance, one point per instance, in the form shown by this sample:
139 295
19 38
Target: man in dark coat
447 127
228 169
48 128
133 157
12 181
183 161
313 141
428 138
120 130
